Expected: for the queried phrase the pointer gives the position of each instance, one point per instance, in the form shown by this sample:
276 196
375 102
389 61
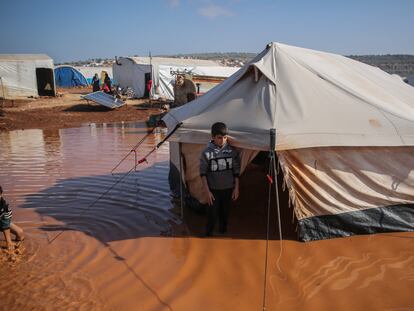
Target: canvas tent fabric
68 76
132 71
344 136
20 75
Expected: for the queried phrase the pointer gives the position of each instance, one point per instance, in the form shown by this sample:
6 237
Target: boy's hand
210 198
235 194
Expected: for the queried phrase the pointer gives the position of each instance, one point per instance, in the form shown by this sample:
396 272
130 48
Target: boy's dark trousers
219 209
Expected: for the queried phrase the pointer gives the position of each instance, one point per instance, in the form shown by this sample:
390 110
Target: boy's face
220 140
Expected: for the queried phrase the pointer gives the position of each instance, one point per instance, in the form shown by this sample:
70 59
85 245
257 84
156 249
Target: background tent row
70 76
26 75
136 72
344 137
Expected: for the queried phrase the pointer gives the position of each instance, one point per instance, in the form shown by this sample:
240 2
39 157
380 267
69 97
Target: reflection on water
124 253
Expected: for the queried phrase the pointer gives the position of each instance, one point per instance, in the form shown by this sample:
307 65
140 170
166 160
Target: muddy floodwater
132 251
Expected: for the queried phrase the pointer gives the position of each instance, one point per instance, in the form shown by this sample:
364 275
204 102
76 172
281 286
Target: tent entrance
248 215
253 201
45 82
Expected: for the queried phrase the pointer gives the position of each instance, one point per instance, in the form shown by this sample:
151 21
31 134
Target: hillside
400 64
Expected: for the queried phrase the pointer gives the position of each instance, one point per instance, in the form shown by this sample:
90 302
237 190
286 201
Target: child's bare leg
7 236
15 229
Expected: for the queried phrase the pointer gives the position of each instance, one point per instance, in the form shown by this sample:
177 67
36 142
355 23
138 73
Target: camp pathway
131 251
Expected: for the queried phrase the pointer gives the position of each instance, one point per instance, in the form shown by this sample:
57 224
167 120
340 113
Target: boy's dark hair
219 128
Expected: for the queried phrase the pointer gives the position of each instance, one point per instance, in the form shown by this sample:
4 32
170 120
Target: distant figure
95 83
219 171
184 91
6 224
149 86
182 88
107 88
191 97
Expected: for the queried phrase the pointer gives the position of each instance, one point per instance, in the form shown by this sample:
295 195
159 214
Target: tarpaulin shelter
69 76
135 72
344 137
26 75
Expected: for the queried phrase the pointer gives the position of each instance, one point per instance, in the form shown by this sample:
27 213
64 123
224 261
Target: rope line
134 149
144 159
275 172
270 182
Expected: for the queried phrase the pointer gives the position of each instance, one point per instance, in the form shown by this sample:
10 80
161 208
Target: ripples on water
51 178
119 254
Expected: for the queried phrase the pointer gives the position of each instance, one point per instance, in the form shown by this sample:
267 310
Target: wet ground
68 109
131 251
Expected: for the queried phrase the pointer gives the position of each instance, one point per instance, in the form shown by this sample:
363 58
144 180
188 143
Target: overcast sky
74 30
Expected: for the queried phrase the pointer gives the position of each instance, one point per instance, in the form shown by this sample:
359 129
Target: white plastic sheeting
166 79
130 72
18 74
127 73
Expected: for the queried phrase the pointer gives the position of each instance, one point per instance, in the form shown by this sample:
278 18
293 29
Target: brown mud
68 109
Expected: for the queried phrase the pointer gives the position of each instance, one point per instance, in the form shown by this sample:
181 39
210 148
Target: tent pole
181 183
151 78
270 178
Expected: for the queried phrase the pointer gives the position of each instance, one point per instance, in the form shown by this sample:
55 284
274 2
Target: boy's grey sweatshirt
220 166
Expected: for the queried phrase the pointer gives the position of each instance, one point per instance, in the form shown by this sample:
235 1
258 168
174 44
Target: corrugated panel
104 99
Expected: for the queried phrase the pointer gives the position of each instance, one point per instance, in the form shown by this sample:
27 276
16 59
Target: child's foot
19 242
11 247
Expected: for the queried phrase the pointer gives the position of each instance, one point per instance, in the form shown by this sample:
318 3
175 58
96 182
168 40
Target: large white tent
344 137
135 72
26 75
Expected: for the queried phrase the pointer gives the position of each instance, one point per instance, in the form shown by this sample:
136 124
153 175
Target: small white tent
135 72
26 75
344 137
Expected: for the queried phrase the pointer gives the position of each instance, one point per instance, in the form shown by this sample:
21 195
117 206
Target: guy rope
272 180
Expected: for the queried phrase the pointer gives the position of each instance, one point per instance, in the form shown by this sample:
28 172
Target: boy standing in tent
219 171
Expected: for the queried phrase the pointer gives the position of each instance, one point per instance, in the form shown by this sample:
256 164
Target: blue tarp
67 76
